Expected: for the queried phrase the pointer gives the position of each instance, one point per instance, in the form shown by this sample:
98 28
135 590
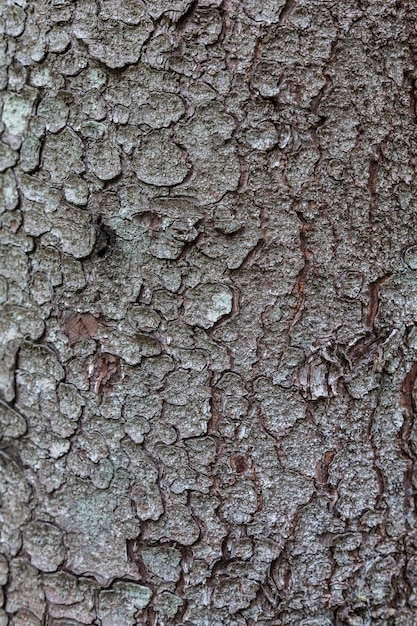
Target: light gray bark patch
159 161
44 544
121 603
208 313
62 153
54 112
8 157
206 304
104 160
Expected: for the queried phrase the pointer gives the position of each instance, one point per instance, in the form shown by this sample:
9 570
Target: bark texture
208 278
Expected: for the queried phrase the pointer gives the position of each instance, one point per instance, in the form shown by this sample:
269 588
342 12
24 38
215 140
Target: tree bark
208 280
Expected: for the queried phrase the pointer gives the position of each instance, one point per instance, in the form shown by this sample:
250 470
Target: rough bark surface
208 279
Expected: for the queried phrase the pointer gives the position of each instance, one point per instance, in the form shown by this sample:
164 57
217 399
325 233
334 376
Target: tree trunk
208 281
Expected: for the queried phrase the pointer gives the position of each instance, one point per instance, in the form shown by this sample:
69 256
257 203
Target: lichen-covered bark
208 286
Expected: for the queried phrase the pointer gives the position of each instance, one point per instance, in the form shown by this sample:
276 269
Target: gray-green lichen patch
16 111
163 562
8 157
120 603
206 304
